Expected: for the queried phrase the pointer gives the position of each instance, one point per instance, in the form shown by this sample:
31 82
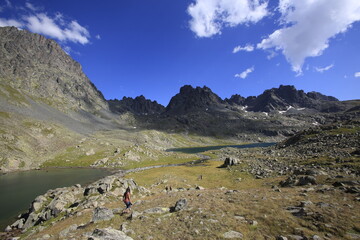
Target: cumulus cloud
210 16
245 73
246 48
55 26
10 22
357 74
323 69
98 37
308 26
43 24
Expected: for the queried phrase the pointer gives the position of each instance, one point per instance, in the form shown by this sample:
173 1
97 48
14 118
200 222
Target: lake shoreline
112 170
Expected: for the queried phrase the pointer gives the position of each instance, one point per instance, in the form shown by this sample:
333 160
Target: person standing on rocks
126 200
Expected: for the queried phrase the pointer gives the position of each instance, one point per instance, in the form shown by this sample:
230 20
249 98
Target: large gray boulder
180 205
230 161
108 234
233 234
31 220
102 214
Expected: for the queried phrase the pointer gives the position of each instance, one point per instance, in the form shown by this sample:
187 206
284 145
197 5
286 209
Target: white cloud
33 18
245 73
77 33
10 22
43 24
247 48
357 74
31 7
271 55
210 16
321 70
98 37
308 25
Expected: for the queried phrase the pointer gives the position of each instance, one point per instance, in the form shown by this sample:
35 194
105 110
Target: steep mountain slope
39 68
47 104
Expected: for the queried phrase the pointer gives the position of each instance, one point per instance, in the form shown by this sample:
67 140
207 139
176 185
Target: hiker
126 200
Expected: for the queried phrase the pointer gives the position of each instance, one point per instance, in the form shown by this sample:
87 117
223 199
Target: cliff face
39 67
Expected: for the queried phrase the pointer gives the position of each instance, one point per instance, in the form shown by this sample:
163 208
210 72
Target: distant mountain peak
285 96
138 105
192 99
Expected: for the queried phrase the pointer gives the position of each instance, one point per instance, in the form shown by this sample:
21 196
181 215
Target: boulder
18 224
306 180
102 214
233 234
107 234
229 161
180 205
135 215
57 206
31 220
199 188
8 229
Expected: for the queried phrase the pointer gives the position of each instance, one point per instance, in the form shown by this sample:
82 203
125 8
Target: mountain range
47 104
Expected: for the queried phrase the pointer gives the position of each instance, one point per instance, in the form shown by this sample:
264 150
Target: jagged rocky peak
190 99
139 105
319 96
284 97
40 68
235 99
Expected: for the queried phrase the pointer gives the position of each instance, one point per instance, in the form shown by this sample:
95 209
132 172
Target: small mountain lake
19 189
195 150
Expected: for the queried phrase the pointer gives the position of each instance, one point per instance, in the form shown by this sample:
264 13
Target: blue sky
153 47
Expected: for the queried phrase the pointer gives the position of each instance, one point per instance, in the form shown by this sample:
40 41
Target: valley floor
254 199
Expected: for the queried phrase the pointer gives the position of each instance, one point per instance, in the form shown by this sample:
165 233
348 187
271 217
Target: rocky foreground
307 187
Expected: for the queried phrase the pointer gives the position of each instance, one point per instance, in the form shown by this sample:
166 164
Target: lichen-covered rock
102 214
107 234
230 161
233 234
180 205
